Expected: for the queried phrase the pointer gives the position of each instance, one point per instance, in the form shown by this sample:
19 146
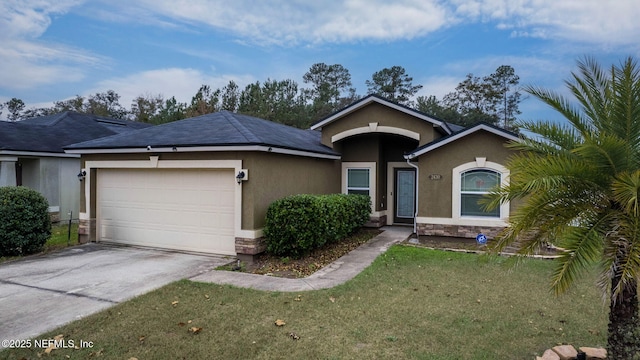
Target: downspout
415 215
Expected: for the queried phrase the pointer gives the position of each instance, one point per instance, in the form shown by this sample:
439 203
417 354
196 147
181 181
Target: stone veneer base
376 222
464 231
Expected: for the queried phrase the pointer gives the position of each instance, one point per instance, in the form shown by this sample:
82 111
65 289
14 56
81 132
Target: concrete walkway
338 272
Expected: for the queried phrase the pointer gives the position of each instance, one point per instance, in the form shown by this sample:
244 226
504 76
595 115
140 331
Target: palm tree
578 184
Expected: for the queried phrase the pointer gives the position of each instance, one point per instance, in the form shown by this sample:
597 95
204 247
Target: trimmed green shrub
24 221
298 224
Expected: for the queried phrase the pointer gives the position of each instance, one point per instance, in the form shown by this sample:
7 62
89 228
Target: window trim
456 196
371 166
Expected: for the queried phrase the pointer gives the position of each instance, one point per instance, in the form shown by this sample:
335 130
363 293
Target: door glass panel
405 194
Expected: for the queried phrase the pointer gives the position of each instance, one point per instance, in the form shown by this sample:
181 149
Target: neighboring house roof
447 128
50 134
460 134
218 131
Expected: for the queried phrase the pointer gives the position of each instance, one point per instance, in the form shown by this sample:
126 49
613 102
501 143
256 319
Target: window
358 181
474 184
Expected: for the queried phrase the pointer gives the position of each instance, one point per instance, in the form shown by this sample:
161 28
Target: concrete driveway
40 293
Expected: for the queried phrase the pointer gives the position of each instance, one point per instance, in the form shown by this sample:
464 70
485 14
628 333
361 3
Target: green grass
412 303
58 240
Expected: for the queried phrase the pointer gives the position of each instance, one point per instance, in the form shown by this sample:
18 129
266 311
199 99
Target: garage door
181 209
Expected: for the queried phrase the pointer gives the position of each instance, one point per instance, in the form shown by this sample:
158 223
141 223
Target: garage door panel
176 209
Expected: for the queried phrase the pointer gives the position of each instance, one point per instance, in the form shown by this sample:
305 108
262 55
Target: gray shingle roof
222 128
52 133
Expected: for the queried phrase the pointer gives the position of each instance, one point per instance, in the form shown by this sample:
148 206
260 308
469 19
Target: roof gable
460 134
382 101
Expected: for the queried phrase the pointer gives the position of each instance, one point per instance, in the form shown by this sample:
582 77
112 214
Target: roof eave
429 147
37 154
172 149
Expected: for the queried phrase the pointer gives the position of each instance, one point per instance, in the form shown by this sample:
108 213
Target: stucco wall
69 187
435 198
271 176
56 179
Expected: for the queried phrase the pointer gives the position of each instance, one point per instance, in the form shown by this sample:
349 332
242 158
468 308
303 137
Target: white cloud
178 82
28 62
438 86
286 22
590 21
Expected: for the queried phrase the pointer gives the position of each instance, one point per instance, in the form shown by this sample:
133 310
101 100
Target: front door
405 199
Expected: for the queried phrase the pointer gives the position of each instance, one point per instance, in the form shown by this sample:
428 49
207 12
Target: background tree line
493 99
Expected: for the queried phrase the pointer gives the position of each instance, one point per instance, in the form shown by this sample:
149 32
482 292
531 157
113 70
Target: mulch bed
314 261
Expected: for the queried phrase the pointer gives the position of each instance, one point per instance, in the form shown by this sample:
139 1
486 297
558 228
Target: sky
53 50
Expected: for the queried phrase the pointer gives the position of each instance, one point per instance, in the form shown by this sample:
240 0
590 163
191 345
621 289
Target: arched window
474 184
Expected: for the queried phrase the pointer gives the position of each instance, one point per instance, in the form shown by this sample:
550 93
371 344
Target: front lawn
412 303
59 239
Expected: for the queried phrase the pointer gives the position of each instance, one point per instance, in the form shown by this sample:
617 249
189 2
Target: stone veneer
376 222
54 216
248 248
464 231
86 231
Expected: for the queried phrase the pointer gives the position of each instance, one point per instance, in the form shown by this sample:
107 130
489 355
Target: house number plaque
435 177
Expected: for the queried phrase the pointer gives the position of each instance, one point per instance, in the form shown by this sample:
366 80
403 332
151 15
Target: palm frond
592 88
625 189
548 137
626 109
584 246
564 107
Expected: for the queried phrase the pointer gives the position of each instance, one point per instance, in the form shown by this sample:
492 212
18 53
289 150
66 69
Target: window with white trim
474 184
358 181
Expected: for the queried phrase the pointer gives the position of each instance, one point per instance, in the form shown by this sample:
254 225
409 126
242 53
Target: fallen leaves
175 303
298 298
280 322
332 299
266 264
195 330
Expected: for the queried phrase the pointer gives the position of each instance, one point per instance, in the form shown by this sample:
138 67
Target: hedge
298 224
25 225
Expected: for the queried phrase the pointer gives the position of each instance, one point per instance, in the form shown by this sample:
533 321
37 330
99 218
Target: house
32 155
204 184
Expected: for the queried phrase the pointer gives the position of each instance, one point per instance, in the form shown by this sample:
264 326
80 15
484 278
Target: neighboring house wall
56 179
439 196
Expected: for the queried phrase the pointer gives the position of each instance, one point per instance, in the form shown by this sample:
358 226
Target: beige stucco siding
435 198
274 176
271 176
383 116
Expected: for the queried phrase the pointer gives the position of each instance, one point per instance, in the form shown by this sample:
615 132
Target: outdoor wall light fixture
81 175
240 176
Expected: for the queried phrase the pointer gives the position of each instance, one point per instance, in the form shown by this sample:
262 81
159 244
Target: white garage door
181 209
